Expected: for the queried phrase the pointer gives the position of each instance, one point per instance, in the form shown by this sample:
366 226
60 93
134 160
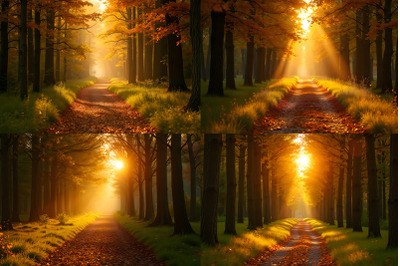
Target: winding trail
98 110
103 242
308 108
303 247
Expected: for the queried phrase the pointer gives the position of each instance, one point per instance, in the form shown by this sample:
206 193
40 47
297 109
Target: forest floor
103 242
303 247
97 110
308 108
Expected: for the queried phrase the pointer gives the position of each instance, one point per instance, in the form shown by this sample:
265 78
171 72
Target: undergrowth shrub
5 246
44 219
62 218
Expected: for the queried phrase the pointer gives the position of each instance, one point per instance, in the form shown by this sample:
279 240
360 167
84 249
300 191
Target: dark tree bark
339 202
230 185
31 55
4 46
266 198
23 52
148 178
215 86
140 188
349 177
181 221
148 58
53 193
356 186
130 208
209 207
242 164
134 50
49 55
378 44
5 183
330 197
160 70
196 37
140 74
193 196
362 73
58 51
260 69
230 57
15 194
268 74
35 183
36 74
176 80
248 76
273 63
257 185
393 193
129 59
345 56
373 200
250 182
163 217
274 196
388 52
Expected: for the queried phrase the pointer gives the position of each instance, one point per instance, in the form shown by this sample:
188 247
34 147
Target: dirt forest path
103 242
98 110
308 108
303 247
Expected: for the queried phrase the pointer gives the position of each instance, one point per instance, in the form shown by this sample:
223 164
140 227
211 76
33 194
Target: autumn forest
198 132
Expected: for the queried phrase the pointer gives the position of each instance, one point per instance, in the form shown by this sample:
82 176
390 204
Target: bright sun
117 164
303 160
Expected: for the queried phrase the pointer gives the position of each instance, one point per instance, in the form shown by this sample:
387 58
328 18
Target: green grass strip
164 110
189 250
40 109
375 112
31 242
355 248
237 111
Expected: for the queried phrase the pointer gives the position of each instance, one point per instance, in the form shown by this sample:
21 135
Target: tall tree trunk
388 52
268 73
175 60
349 178
330 190
148 178
230 185
15 194
36 74
215 86
345 56
266 198
339 201
5 183
35 183
209 207
260 69
23 52
230 57
196 37
31 55
4 46
140 50
373 200
356 188
378 44
242 164
160 70
163 217
53 193
248 76
148 57
129 59
274 196
58 51
49 55
193 185
181 221
393 193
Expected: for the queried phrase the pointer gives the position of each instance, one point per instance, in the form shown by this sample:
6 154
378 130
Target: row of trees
55 171
152 33
366 173
54 27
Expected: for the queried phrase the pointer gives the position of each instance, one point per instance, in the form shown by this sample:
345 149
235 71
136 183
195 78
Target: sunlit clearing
303 161
106 201
101 4
117 164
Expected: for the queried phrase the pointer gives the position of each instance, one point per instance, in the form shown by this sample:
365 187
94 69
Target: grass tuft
39 109
238 109
32 242
164 110
355 248
376 112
